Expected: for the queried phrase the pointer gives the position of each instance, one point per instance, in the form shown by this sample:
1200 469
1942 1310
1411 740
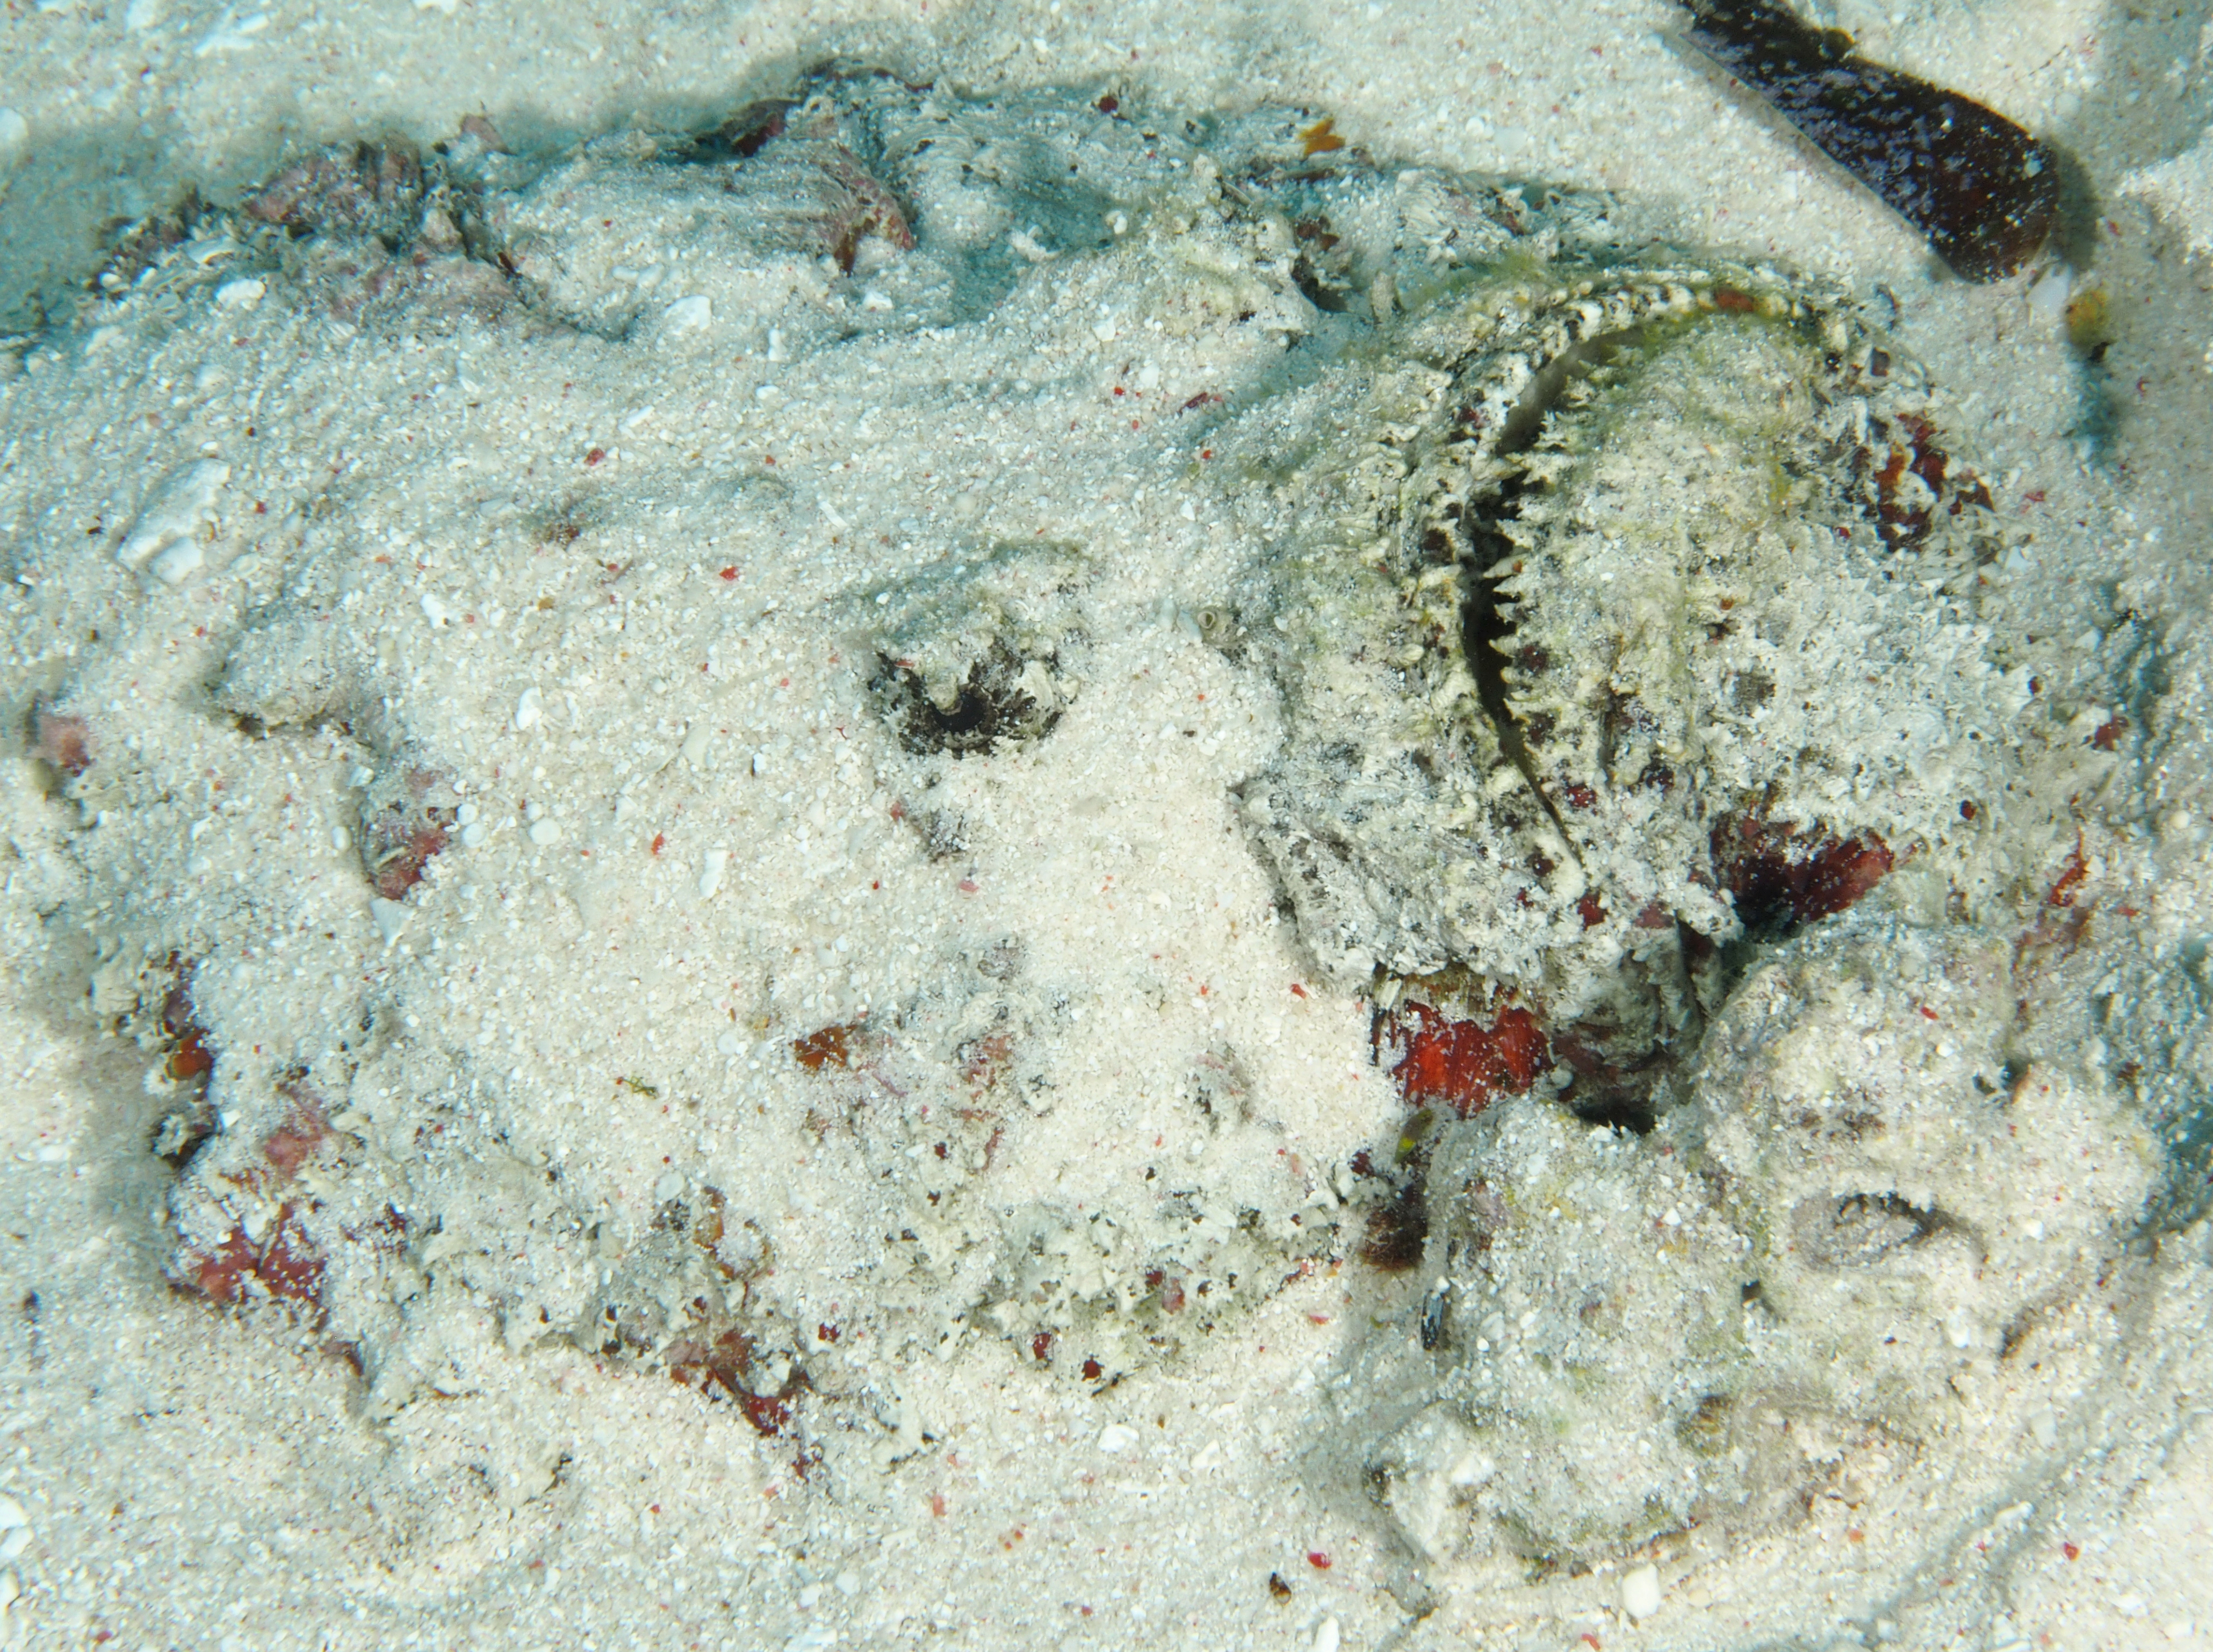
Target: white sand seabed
690 859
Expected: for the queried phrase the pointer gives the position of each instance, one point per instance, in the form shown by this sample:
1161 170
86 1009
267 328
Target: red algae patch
1465 1064
1778 878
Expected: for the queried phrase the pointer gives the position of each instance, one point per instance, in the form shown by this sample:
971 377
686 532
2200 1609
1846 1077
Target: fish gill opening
1486 626
1615 1088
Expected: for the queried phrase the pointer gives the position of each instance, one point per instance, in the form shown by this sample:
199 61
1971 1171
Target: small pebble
711 878
546 833
1640 1592
390 918
688 314
1328 1636
165 537
2047 299
1116 1436
240 294
528 709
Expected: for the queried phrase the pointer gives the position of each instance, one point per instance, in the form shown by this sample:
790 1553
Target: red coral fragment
191 1057
1465 1063
2071 874
726 1360
407 850
856 205
287 1267
398 841
729 1361
357 189
984 1060
770 1414
829 1046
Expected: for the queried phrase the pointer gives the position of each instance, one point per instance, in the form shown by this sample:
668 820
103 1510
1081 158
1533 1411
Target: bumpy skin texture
1615 606
1622 560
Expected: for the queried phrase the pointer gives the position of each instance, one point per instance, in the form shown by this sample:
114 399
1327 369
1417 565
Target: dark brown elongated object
1984 192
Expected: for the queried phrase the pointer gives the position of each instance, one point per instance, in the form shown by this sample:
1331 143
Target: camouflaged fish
1634 616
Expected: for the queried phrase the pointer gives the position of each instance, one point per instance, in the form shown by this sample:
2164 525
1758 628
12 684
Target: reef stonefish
1603 622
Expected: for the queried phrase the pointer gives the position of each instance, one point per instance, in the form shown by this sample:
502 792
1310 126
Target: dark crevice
1618 1110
